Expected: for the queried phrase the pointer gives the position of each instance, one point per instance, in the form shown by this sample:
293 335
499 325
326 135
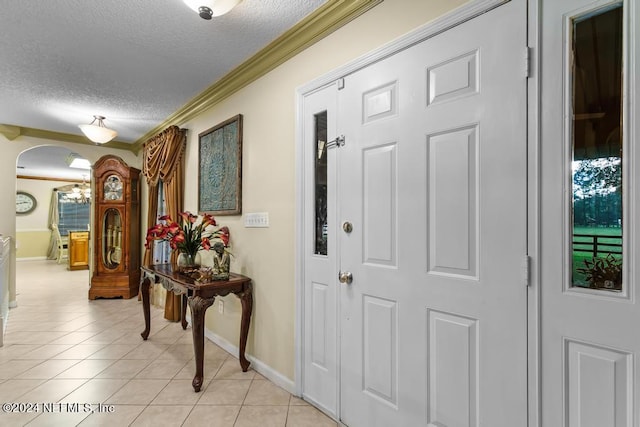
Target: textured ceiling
134 61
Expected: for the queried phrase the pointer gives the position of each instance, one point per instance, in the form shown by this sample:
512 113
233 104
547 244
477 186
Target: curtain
53 218
163 164
52 251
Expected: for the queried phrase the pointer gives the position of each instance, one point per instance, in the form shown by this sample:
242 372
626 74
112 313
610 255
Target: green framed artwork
220 168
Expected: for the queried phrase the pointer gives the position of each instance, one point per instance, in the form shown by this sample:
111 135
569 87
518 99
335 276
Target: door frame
458 16
534 184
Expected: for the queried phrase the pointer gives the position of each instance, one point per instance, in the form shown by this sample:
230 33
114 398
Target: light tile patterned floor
65 351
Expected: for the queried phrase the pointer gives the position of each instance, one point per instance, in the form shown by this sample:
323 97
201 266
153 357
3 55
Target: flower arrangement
188 236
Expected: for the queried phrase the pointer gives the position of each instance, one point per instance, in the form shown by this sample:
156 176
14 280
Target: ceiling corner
10 132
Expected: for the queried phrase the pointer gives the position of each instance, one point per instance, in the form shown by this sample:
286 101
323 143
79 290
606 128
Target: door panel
453 214
320 358
433 178
379 202
453 368
589 346
598 384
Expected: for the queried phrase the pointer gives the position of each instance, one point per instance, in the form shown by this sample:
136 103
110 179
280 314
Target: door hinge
526 266
340 82
338 142
527 64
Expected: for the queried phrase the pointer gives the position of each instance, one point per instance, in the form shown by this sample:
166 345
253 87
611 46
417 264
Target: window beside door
596 137
321 235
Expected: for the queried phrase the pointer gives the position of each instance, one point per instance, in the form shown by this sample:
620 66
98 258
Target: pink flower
173 228
208 220
224 235
206 244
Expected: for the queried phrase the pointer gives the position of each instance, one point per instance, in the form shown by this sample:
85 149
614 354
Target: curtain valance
163 153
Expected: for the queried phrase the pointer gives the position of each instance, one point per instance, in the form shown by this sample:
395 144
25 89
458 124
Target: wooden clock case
116 240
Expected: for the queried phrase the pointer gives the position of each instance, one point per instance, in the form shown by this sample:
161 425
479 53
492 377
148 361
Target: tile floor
85 364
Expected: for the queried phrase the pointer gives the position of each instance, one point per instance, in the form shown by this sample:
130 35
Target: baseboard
33 258
259 366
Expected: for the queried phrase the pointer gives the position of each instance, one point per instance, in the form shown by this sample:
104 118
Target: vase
188 262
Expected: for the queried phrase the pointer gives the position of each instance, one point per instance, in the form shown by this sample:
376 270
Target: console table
200 297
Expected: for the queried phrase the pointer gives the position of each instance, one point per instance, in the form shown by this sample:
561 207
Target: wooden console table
200 297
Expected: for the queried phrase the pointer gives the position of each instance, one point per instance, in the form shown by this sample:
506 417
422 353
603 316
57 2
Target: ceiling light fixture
79 193
209 8
75 161
98 133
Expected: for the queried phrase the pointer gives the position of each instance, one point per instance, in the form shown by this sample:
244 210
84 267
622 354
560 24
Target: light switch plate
256 220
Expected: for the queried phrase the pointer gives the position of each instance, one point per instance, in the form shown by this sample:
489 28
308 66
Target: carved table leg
183 310
198 307
144 290
246 298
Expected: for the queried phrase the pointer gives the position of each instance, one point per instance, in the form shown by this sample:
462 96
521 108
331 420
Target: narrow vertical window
320 154
596 78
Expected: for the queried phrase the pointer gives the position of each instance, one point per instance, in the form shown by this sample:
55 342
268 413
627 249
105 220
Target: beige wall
32 229
268 106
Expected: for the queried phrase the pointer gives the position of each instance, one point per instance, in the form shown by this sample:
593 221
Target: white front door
432 178
589 197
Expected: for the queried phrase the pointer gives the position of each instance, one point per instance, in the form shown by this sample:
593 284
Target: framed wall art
220 168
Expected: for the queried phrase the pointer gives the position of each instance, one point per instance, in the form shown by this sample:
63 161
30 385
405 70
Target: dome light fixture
98 133
210 8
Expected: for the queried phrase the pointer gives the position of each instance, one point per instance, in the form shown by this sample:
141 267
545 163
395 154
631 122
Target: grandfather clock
116 239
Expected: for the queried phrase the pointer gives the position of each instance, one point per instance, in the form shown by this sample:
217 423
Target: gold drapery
164 162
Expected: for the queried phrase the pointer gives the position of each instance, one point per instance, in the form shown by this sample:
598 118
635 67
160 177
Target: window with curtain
161 248
72 215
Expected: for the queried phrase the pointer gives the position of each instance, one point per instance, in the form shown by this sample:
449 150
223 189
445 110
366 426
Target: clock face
25 203
113 188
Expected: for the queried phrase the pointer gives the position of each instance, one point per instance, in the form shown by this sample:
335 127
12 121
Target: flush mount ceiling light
209 8
75 161
98 133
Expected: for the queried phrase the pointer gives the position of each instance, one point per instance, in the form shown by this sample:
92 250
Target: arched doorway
53 187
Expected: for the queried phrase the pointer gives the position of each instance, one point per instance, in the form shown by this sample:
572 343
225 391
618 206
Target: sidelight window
596 136
320 162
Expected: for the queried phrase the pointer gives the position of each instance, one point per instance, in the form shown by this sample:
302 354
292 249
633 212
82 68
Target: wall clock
25 203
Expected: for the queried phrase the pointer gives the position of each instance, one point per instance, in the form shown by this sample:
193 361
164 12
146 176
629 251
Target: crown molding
319 24
12 132
49 178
